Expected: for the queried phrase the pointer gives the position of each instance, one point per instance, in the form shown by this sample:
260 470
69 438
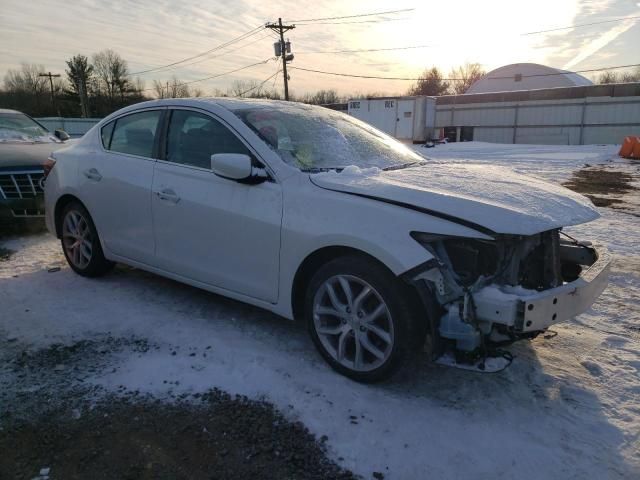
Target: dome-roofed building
526 76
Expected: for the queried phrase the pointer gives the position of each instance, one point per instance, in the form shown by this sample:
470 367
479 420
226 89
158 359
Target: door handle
168 195
93 174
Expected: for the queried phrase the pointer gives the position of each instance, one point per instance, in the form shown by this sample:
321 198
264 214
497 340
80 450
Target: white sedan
315 215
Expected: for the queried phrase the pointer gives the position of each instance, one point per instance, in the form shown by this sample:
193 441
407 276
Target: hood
495 198
26 154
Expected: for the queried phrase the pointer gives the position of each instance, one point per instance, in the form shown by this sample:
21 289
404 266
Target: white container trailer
410 119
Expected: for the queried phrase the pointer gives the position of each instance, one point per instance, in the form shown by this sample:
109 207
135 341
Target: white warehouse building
579 115
519 103
526 76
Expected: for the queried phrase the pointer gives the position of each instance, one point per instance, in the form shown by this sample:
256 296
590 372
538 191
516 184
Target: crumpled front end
510 288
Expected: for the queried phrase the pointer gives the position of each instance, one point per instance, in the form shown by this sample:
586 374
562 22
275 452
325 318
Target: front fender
314 219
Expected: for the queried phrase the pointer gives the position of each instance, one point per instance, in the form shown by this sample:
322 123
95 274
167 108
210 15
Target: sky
153 33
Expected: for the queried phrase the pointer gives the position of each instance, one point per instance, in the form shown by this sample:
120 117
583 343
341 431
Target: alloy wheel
353 323
77 239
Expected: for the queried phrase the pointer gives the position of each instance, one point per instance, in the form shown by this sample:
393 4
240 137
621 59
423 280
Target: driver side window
193 137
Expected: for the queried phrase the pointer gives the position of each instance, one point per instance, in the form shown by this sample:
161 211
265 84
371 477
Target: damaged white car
314 215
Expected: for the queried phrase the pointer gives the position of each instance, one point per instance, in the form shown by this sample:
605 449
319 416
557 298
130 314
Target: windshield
17 127
317 139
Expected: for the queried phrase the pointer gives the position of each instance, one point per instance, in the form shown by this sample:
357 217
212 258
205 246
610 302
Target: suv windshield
317 139
17 127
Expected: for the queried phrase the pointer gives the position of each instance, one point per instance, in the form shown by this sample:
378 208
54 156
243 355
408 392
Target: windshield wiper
404 165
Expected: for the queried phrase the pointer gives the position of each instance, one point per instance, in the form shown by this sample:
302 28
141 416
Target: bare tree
465 76
173 88
615 77
608 77
431 83
372 94
251 89
26 80
112 74
28 89
322 97
632 76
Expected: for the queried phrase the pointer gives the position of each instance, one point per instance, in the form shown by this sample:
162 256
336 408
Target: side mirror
61 135
234 166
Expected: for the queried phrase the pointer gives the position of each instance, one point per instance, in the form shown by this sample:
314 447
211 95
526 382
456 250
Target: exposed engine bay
492 292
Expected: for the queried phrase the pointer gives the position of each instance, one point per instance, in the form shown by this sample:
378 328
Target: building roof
526 76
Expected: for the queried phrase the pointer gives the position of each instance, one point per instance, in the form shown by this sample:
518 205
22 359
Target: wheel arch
313 262
61 203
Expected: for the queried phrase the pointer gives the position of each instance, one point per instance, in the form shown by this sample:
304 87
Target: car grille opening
21 185
27 212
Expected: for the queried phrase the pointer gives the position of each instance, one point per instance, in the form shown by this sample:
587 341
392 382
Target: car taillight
48 165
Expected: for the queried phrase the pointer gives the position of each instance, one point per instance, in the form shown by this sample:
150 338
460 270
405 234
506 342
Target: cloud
149 33
599 43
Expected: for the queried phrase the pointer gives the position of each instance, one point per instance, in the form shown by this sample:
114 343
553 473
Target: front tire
361 318
80 242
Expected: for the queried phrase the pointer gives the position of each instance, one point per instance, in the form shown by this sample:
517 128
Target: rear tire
362 319
80 242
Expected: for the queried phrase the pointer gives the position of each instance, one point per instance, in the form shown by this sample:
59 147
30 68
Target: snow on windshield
315 138
16 127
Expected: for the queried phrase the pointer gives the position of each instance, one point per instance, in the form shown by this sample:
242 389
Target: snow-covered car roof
224 102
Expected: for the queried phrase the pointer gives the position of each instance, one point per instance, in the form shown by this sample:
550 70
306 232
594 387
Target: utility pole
284 51
51 77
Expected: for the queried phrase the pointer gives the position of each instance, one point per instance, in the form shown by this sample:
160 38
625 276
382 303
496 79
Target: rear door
210 229
116 184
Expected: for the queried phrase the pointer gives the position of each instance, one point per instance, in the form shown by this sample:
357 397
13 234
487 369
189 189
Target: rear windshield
316 138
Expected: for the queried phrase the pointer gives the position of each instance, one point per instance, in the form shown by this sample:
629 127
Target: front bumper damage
503 313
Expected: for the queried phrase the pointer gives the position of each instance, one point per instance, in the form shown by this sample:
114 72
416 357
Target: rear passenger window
135 133
193 137
105 133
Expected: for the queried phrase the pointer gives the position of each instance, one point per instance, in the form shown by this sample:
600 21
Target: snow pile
551 162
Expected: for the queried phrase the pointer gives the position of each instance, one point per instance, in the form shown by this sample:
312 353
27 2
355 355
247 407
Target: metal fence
570 116
75 127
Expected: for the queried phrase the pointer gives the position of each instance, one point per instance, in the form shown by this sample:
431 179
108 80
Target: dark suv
24 148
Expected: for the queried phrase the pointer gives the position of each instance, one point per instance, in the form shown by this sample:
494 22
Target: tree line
101 84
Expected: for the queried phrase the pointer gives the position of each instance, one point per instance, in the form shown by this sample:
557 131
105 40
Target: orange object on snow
635 153
627 146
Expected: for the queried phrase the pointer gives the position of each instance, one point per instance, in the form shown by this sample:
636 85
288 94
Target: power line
367 50
168 69
580 25
458 79
223 45
351 75
380 20
217 75
260 84
389 12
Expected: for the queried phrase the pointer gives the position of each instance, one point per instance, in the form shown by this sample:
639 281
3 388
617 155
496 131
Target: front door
210 229
115 184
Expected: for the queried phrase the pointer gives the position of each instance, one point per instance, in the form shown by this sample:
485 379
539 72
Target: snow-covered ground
568 406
